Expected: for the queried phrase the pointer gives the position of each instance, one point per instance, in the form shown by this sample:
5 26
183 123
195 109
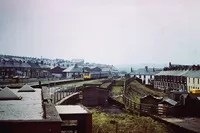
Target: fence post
57 96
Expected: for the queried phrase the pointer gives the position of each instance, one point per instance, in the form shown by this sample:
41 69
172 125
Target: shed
150 99
167 107
95 96
175 95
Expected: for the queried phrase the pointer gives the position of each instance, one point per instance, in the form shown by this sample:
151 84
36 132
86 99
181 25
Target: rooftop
28 108
71 109
73 69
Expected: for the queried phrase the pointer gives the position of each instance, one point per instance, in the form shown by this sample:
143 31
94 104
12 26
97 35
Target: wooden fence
148 109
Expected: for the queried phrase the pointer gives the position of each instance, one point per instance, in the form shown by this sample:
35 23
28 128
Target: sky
102 31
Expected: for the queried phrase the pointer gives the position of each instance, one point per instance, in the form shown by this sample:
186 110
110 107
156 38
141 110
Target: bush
126 124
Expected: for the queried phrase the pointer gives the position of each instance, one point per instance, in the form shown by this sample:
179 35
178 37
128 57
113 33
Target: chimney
4 62
198 67
193 68
146 68
170 64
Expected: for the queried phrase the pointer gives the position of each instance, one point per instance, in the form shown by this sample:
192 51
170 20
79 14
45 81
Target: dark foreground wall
30 127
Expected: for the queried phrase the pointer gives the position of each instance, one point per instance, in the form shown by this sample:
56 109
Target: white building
146 74
73 72
78 61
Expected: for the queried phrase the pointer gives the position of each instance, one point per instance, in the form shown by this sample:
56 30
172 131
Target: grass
105 85
101 123
116 90
119 82
135 91
78 83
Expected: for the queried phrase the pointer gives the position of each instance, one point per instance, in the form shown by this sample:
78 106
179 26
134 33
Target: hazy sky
103 31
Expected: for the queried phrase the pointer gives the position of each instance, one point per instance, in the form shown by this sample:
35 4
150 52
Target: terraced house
178 77
11 68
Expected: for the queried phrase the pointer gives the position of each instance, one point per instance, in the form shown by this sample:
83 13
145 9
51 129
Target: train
95 75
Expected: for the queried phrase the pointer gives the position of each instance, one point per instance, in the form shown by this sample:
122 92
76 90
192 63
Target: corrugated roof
26 88
170 101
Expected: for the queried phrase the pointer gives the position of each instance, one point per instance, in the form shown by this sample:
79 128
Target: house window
139 76
3 73
198 80
193 80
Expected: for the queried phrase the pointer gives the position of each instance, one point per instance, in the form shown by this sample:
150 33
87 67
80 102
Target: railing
59 94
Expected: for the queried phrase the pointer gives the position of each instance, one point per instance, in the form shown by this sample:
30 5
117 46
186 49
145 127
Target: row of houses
77 71
145 74
178 77
11 66
9 69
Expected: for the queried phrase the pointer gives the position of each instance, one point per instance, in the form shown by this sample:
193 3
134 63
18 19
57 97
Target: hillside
135 91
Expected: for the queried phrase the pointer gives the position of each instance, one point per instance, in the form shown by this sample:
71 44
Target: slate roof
95 69
7 94
57 69
105 69
44 66
26 88
14 64
34 65
185 73
171 73
192 74
143 71
73 69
